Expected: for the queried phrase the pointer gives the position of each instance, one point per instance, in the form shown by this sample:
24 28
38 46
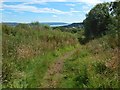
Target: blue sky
68 11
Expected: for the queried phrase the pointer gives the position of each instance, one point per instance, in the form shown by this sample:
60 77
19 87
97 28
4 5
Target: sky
25 11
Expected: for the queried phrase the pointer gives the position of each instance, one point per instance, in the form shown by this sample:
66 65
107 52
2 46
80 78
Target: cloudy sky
46 10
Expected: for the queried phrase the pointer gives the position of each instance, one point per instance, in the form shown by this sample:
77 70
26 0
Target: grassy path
53 75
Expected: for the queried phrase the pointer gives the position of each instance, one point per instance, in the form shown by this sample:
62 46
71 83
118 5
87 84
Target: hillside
74 25
79 55
31 49
37 56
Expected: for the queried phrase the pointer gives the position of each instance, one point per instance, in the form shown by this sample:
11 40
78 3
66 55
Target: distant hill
74 25
47 23
11 24
52 24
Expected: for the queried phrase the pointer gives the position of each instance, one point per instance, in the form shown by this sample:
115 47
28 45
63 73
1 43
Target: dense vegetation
28 50
96 64
102 19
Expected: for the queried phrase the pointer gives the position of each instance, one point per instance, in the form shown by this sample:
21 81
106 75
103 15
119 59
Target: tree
38 26
23 26
97 20
114 24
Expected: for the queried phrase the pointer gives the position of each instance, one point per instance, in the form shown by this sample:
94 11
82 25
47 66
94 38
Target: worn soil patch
53 75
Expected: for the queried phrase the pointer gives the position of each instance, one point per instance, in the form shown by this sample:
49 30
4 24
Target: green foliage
69 29
38 26
75 71
103 19
35 23
82 78
22 26
99 67
7 29
114 25
28 50
86 69
97 20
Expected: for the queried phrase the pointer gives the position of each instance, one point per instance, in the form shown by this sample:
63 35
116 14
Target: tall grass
28 50
95 65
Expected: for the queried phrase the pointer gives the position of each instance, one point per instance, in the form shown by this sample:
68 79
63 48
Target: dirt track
53 75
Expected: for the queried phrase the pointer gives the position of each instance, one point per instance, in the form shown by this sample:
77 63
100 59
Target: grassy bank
29 50
94 65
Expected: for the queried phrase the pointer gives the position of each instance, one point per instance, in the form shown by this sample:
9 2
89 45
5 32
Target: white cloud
1 9
43 1
34 9
70 5
72 10
28 8
93 2
54 15
86 8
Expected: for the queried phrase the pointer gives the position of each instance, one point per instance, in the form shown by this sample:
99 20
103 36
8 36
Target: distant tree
47 27
7 29
23 26
38 26
35 23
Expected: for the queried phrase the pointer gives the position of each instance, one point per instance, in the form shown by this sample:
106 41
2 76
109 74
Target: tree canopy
97 20
101 19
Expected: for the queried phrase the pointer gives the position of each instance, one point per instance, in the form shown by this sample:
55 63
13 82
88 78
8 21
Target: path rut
53 75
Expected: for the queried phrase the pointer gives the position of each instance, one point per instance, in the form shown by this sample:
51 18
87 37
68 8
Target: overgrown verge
28 50
95 65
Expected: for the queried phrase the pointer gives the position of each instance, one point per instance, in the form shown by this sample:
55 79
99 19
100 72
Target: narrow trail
53 75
